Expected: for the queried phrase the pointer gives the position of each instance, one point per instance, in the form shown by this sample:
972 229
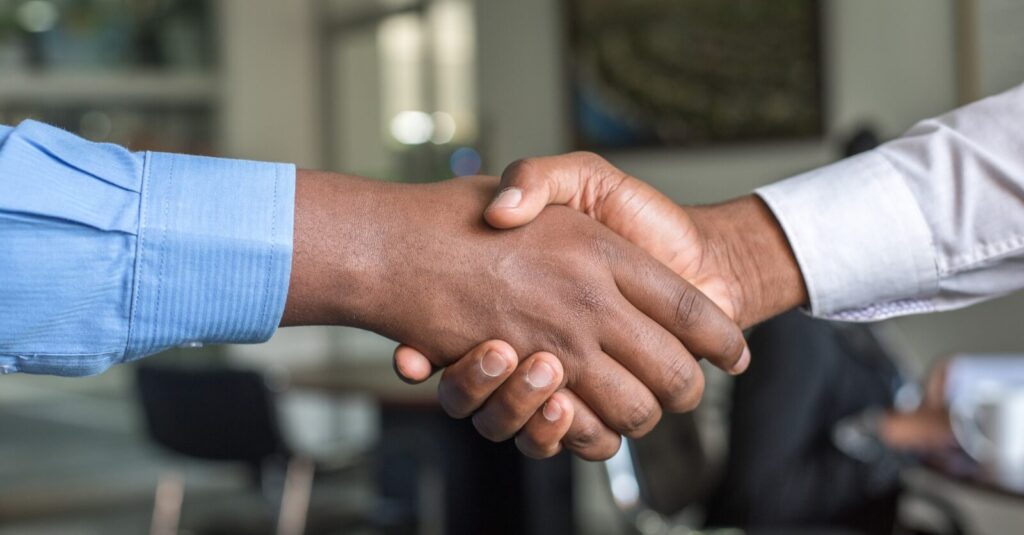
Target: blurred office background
425 90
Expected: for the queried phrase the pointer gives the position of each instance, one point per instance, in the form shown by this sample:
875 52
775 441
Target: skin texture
418 264
734 252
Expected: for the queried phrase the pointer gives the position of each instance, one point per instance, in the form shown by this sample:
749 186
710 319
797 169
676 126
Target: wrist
338 261
748 246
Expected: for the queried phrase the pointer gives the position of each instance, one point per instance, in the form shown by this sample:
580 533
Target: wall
269 61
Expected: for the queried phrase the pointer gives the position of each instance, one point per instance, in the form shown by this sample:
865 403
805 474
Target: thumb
527 186
412 366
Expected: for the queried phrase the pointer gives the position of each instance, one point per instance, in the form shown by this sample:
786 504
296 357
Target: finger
682 309
412 366
522 395
588 437
542 435
622 401
528 185
466 384
656 357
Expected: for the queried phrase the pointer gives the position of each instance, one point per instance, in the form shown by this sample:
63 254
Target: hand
735 253
416 263
924 430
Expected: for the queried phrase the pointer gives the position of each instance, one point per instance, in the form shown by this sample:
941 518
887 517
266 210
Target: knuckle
684 385
642 417
526 445
732 345
453 396
518 170
488 429
604 176
589 158
688 311
567 344
453 409
530 447
602 248
690 399
589 297
602 451
585 437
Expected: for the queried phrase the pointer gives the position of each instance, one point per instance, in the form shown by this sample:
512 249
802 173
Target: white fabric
933 220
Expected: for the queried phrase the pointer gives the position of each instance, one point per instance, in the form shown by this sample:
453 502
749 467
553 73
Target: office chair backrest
213 414
671 466
662 474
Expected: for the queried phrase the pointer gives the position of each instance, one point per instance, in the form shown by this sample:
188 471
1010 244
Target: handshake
561 326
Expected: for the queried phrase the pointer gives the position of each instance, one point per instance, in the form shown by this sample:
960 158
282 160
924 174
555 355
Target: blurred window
400 88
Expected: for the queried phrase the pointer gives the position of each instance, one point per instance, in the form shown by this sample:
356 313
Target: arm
109 256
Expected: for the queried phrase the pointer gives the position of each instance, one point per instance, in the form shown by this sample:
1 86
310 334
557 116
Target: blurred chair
214 414
783 467
660 483
230 415
782 473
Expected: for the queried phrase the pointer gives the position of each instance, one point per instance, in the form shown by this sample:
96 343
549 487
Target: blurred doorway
398 88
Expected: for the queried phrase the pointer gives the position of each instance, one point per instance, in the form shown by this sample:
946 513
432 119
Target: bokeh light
465 161
38 16
412 127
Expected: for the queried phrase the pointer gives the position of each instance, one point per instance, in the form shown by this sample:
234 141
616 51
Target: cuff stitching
140 248
163 239
273 247
881 311
982 255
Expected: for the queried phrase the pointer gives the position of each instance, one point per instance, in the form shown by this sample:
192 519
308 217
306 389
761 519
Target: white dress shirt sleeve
933 220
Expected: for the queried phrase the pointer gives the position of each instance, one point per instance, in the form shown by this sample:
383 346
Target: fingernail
540 375
493 364
552 411
741 365
509 198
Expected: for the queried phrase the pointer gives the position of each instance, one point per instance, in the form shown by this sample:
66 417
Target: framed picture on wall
659 73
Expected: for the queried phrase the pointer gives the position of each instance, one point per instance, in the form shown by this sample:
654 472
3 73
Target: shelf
100 87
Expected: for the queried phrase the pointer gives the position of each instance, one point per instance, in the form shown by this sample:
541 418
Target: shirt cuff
859 236
214 252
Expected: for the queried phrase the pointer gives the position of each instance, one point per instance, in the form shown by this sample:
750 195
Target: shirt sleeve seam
273 248
983 254
163 239
31 354
140 247
882 311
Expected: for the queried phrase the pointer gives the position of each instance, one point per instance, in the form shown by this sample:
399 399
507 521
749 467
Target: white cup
988 422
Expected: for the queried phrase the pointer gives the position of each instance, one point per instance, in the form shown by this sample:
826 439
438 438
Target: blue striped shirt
107 256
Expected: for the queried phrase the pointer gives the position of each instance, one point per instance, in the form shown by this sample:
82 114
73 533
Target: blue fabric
107 256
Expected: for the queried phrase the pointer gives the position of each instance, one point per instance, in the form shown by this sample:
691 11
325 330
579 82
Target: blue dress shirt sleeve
107 256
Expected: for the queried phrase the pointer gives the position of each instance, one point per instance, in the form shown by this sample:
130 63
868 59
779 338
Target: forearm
750 248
